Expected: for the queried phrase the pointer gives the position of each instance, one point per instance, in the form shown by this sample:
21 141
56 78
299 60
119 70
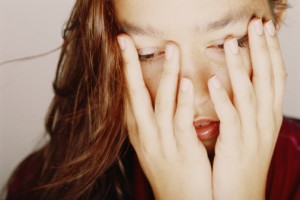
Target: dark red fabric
283 179
25 178
284 172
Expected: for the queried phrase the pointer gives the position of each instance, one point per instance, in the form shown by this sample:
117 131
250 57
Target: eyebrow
128 27
232 17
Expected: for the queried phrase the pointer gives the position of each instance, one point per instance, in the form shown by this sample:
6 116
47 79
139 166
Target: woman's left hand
250 125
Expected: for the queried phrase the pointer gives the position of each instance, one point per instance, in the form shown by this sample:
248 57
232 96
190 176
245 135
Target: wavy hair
85 120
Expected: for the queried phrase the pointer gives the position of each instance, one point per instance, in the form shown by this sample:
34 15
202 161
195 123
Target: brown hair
88 139
85 119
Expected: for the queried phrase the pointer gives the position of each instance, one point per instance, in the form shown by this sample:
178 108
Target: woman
196 85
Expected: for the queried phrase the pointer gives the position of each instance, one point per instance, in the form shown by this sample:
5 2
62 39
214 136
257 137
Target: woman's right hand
171 156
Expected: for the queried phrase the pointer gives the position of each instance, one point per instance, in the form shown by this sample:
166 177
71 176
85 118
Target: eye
242 42
151 57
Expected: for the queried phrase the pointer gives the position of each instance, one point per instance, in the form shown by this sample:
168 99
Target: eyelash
151 57
242 43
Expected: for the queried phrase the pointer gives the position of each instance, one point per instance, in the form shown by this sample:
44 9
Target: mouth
207 129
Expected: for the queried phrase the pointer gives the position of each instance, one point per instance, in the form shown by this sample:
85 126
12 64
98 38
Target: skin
192 78
198 62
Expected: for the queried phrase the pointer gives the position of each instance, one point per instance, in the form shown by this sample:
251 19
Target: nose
198 68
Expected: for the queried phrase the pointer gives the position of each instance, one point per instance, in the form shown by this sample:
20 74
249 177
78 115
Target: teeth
204 124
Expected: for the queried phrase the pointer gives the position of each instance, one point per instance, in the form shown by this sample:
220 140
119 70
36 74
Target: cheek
223 75
151 75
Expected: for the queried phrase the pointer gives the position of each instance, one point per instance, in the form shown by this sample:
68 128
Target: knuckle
133 92
148 147
266 77
169 71
248 96
273 46
137 90
182 126
146 150
126 61
185 102
182 104
232 119
271 79
283 76
262 45
129 60
179 127
160 105
223 97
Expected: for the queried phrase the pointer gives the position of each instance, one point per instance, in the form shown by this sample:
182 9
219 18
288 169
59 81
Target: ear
279 8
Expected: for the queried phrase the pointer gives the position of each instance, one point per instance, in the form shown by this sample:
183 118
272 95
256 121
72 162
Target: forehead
167 14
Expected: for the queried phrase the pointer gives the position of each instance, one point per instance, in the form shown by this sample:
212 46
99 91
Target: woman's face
198 28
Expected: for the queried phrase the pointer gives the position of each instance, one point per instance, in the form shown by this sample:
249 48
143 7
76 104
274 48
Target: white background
34 26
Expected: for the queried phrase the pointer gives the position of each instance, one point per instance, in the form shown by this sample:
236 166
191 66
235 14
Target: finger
243 93
279 70
131 126
229 118
166 93
262 72
184 130
139 97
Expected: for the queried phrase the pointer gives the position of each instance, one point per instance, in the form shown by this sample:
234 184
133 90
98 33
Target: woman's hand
173 159
250 125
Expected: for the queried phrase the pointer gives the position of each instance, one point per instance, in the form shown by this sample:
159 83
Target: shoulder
284 172
25 177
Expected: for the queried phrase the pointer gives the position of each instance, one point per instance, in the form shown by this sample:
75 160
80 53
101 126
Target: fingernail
169 51
271 28
185 85
233 45
216 83
121 43
259 27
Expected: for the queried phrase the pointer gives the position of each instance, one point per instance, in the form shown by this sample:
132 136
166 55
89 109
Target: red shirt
284 172
283 181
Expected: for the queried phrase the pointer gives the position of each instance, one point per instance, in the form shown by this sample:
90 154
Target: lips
207 129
